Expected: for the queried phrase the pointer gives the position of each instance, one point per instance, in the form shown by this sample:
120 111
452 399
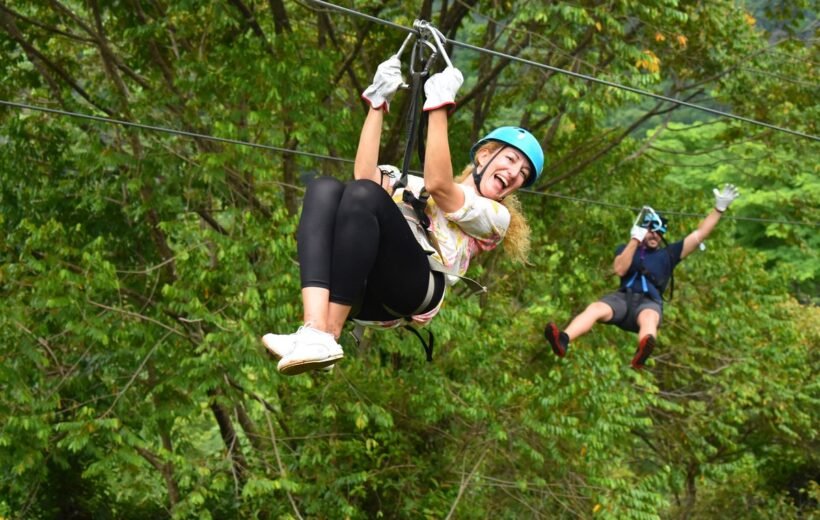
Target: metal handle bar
646 210
404 44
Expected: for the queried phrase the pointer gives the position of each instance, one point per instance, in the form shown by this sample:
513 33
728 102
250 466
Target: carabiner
417 59
436 36
418 63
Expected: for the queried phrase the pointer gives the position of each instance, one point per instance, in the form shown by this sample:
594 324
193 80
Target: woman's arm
367 154
440 91
438 166
386 82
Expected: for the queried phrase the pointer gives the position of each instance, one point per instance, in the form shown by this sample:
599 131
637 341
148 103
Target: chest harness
645 274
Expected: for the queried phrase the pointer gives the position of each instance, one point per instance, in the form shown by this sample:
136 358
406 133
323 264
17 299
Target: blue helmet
654 222
521 140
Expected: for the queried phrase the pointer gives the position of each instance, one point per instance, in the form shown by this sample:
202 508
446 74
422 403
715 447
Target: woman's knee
319 207
324 190
363 188
363 194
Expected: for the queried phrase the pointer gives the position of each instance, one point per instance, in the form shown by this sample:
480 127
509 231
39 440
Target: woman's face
505 172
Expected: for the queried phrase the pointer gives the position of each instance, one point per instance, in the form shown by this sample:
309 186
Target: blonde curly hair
516 243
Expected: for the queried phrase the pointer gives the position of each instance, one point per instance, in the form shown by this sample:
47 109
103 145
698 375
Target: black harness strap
671 273
418 204
412 127
416 118
477 175
630 320
416 130
428 346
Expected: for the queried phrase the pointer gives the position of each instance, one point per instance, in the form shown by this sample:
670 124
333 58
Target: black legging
354 241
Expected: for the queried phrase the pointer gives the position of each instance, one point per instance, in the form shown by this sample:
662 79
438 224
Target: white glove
440 89
725 197
386 82
639 233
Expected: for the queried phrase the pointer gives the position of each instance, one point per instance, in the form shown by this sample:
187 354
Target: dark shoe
645 348
559 341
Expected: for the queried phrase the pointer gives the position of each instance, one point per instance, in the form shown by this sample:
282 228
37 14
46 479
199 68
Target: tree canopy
139 268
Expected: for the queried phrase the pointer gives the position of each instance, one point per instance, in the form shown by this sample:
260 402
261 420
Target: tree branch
166 469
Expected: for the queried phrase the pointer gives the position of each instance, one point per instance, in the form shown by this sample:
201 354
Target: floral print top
479 225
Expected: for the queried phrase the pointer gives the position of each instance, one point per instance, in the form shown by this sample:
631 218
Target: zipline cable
578 75
351 161
668 212
769 49
170 130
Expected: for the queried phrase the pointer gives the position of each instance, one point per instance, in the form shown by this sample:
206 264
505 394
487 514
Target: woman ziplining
353 238
645 269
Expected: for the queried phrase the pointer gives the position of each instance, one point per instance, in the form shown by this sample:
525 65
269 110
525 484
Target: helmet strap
477 176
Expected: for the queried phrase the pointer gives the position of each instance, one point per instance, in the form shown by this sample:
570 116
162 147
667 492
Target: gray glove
725 197
386 82
440 90
638 233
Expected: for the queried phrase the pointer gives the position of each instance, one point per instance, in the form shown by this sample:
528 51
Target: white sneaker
279 345
313 349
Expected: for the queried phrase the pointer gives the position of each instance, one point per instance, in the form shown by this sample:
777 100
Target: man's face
652 239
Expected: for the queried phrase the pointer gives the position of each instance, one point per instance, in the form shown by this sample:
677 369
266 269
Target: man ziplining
645 269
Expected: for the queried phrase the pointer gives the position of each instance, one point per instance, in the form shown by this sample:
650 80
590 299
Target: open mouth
501 181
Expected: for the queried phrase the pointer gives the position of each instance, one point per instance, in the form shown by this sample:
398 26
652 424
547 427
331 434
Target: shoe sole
298 367
645 349
553 336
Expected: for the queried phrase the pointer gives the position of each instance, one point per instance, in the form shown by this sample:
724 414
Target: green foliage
138 270
780 193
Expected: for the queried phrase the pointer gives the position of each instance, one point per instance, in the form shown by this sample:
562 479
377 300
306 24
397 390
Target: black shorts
625 312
